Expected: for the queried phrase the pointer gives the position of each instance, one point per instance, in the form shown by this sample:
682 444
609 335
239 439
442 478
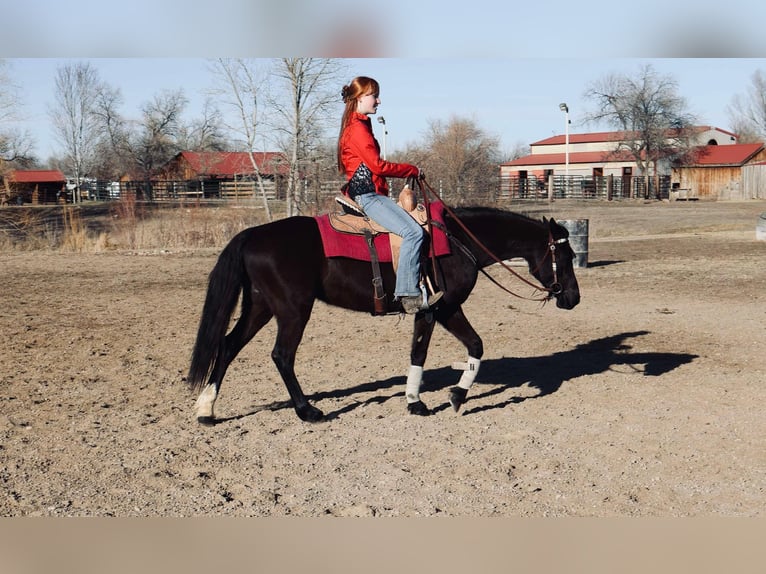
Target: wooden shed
715 172
33 186
221 174
754 181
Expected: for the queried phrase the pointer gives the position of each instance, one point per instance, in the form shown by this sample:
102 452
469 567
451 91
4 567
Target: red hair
356 88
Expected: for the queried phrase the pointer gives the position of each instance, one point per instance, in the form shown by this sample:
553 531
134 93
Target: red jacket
358 144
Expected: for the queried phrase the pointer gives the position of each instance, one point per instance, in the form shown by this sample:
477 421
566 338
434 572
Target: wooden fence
179 190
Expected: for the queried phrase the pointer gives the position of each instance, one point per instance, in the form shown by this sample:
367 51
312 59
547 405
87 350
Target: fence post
550 188
609 186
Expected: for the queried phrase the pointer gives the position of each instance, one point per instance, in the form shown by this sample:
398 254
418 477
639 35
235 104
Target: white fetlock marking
470 370
205 401
414 379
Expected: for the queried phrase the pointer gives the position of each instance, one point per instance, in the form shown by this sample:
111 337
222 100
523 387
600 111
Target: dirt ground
645 400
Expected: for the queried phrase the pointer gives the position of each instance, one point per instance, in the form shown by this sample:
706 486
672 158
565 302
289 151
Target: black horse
279 269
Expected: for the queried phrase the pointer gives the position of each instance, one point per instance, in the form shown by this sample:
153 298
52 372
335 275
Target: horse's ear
552 222
545 220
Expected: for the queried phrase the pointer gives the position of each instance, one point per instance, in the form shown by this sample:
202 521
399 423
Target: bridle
555 287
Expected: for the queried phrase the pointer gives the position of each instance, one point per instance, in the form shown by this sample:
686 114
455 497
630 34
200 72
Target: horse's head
555 266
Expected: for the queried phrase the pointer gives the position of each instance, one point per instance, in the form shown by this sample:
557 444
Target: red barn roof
711 155
231 163
735 154
37 176
600 137
591 137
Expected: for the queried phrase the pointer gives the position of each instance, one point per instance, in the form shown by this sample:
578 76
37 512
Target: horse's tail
223 290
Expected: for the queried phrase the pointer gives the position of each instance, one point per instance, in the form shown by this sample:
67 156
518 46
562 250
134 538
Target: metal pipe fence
579 187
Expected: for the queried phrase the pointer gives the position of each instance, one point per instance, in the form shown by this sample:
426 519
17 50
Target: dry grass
75 235
27 230
123 225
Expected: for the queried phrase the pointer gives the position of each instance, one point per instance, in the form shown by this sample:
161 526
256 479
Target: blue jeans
384 211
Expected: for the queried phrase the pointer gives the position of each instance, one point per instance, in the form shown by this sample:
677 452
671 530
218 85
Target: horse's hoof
310 414
419 408
457 397
206 421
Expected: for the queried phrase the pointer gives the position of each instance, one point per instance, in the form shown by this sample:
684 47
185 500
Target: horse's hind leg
252 319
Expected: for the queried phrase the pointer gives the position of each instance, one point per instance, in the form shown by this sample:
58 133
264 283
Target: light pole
564 108
382 120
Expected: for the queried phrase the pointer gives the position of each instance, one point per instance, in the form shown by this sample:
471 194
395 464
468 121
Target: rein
553 290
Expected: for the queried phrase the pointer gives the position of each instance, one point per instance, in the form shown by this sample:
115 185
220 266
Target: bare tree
74 117
141 147
205 133
520 149
652 116
15 144
8 94
160 126
462 160
748 112
242 91
113 153
15 147
303 105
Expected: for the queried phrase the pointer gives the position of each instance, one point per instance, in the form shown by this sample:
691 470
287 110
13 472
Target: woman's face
368 104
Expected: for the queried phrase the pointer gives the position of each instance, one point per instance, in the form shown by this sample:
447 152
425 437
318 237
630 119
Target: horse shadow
546 373
605 262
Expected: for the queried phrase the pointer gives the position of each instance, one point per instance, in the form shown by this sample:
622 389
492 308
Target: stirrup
416 303
434 298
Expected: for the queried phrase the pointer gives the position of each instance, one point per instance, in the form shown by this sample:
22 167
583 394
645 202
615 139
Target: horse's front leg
421 338
289 335
457 324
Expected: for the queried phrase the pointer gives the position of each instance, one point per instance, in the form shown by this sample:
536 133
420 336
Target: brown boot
415 303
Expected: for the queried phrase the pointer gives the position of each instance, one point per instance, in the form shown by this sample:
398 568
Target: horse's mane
483 211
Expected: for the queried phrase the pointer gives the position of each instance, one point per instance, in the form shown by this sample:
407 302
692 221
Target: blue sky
396 28
515 99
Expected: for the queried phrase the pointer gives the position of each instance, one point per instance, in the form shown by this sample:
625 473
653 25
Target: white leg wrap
205 401
470 370
414 378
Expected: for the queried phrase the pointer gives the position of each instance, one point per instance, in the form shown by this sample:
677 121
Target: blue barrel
578 239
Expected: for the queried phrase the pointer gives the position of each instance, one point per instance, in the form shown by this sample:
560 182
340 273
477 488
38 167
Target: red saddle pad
337 244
